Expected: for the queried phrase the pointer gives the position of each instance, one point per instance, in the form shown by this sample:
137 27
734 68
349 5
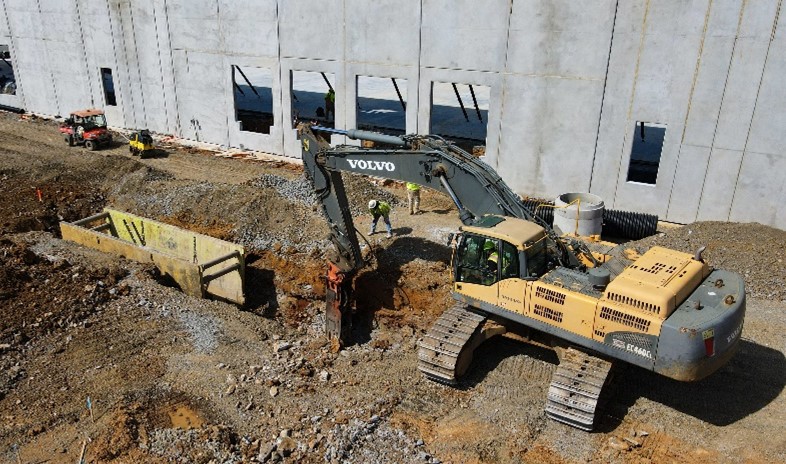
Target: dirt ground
99 357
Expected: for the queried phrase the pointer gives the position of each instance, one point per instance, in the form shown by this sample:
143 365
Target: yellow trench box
202 266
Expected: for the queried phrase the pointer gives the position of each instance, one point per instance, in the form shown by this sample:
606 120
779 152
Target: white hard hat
372 204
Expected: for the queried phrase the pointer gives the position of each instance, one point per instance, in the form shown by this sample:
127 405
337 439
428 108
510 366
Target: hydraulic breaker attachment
338 322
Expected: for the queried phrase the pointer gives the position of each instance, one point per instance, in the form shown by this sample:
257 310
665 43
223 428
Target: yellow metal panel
511 295
657 282
480 292
178 253
613 317
571 311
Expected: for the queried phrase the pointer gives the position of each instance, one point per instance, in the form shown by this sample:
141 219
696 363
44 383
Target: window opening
459 112
253 91
382 104
645 152
478 260
313 97
7 77
110 99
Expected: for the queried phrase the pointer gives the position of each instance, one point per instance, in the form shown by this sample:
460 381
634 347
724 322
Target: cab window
536 259
477 260
510 261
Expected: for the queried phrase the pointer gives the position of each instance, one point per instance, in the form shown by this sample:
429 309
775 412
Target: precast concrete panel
69 77
313 30
550 127
32 71
23 18
615 115
705 104
201 83
383 32
718 186
455 36
768 128
560 38
242 36
742 87
194 25
689 180
750 52
665 79
760 190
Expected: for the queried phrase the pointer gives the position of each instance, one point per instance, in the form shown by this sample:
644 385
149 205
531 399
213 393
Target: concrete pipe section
579 214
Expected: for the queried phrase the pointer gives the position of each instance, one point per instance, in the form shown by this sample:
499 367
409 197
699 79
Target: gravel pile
755 251
298 191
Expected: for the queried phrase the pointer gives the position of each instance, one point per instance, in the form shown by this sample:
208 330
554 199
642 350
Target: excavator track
576 388
442 356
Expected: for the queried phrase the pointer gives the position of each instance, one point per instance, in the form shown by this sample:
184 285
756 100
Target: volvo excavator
664 311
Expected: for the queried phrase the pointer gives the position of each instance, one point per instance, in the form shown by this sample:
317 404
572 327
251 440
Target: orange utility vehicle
86 127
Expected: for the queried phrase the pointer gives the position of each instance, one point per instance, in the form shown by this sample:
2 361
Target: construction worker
492 258
330 104
413 198
378 209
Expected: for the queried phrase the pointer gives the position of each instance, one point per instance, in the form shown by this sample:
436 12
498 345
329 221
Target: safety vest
413 187
330 96
382 208
493 257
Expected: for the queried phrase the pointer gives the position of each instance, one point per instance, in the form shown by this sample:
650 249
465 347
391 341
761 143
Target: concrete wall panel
718 187
241 36
476 42
312 29
201 82
551 126
561 38
760 190
688 182
37 79
383 32
768 128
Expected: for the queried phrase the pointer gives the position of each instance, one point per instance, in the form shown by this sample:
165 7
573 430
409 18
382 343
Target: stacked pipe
619 224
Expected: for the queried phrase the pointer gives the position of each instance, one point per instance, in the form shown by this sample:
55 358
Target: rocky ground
171 378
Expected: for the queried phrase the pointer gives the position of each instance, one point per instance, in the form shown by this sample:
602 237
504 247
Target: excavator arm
430 161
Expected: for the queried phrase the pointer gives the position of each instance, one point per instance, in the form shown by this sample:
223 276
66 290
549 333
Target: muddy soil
171 378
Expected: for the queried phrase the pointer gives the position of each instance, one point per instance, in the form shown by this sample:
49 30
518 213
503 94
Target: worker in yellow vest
380 209
413 198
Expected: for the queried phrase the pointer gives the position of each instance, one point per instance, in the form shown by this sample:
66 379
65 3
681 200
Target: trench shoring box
202 266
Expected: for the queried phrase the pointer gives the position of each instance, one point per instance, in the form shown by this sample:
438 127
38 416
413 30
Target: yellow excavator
665 311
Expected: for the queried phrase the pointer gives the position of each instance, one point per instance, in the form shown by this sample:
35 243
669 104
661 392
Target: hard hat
489 245
372 204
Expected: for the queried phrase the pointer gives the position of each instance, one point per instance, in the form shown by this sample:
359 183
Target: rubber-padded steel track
440 355
575 389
